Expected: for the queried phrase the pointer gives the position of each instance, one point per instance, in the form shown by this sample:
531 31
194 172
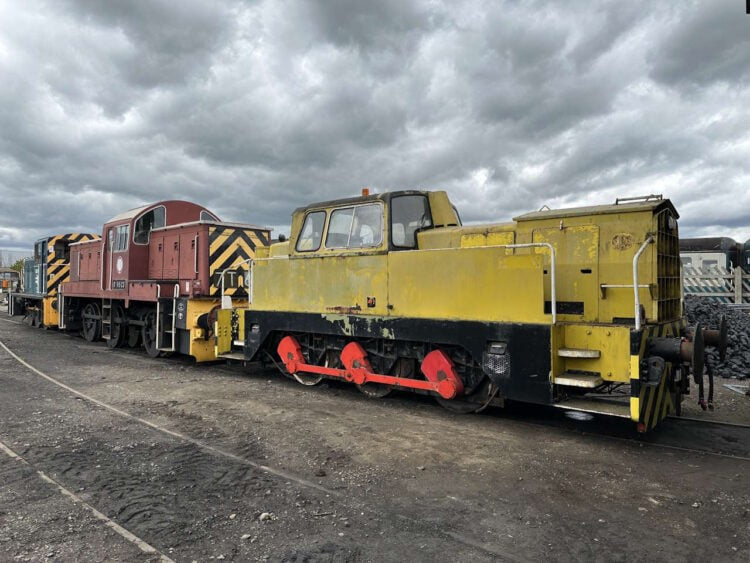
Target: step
579 353
233 356
579 380
608 407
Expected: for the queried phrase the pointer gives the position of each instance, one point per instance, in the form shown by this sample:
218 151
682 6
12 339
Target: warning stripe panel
656 402
229 247
58 269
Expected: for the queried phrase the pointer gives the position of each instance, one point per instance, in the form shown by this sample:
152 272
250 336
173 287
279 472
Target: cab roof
133 213
384 196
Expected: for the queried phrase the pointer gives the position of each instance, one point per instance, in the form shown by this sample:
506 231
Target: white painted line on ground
131 537
11 321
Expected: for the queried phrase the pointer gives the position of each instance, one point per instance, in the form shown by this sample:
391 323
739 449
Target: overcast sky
255 108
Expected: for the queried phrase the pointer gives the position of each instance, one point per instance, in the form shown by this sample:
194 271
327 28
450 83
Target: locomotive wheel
148 334
134 336
378 390
374 390
118 327
467 407
91 324
308 379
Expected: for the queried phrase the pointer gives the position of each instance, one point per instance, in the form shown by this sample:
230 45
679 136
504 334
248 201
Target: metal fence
717 284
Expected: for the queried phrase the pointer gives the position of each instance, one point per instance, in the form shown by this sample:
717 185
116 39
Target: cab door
116 257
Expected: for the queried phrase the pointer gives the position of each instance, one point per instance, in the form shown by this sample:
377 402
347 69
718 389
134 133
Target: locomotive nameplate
622 241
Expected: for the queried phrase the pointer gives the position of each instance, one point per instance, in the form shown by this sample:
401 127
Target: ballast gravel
708 313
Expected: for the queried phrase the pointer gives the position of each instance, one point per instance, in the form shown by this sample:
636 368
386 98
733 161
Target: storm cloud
255 108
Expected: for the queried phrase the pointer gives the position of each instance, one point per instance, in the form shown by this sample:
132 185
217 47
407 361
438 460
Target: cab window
356 227
40 251
409 214
153 219
206 216
62 250
312 232
118 238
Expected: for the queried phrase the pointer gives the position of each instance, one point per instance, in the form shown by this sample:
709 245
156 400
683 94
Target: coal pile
708 313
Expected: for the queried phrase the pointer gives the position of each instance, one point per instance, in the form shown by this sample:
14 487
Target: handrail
61 306
196 252
158 300
649 240
175 296
553 280
249 261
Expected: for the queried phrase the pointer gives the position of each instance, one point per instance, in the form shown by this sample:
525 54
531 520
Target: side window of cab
312 232
409 215
154 219
360 226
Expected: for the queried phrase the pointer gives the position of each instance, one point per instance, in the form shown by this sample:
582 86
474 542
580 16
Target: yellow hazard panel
223 330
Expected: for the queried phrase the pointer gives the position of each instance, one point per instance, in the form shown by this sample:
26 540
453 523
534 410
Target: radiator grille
668 267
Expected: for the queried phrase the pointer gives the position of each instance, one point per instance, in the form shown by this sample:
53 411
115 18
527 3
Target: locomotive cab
369 224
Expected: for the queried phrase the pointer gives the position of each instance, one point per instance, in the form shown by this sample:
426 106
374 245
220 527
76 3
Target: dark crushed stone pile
708 313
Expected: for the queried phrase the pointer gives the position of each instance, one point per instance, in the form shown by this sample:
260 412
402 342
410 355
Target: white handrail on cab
226 300
649 240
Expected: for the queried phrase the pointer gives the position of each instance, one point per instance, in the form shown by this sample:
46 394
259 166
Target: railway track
687 434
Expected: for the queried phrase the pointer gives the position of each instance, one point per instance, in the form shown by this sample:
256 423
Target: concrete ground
119 457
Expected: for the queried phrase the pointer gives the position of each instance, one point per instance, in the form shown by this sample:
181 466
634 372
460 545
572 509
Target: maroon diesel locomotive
156 278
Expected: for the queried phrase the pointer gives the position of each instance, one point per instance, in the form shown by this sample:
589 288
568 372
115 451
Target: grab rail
249 261
649 240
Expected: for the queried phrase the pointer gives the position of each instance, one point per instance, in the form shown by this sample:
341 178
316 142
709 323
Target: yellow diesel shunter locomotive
578 308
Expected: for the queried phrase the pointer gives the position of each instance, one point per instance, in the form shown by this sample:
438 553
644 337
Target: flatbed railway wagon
43 273
574 308
156 278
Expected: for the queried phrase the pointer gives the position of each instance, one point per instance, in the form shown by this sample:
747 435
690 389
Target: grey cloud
710 43
256 108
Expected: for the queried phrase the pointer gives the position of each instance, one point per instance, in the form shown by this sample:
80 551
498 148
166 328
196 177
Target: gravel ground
250 466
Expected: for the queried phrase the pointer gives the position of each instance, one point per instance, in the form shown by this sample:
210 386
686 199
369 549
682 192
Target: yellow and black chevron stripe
229 247
655 403
651 404
58 267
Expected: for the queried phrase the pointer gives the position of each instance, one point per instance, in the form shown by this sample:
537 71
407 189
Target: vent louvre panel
667 268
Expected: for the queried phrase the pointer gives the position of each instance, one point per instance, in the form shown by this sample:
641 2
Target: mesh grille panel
668 267
497 364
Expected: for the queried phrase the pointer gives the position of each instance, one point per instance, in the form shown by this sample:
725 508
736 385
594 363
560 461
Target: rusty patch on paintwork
344 310
622 241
